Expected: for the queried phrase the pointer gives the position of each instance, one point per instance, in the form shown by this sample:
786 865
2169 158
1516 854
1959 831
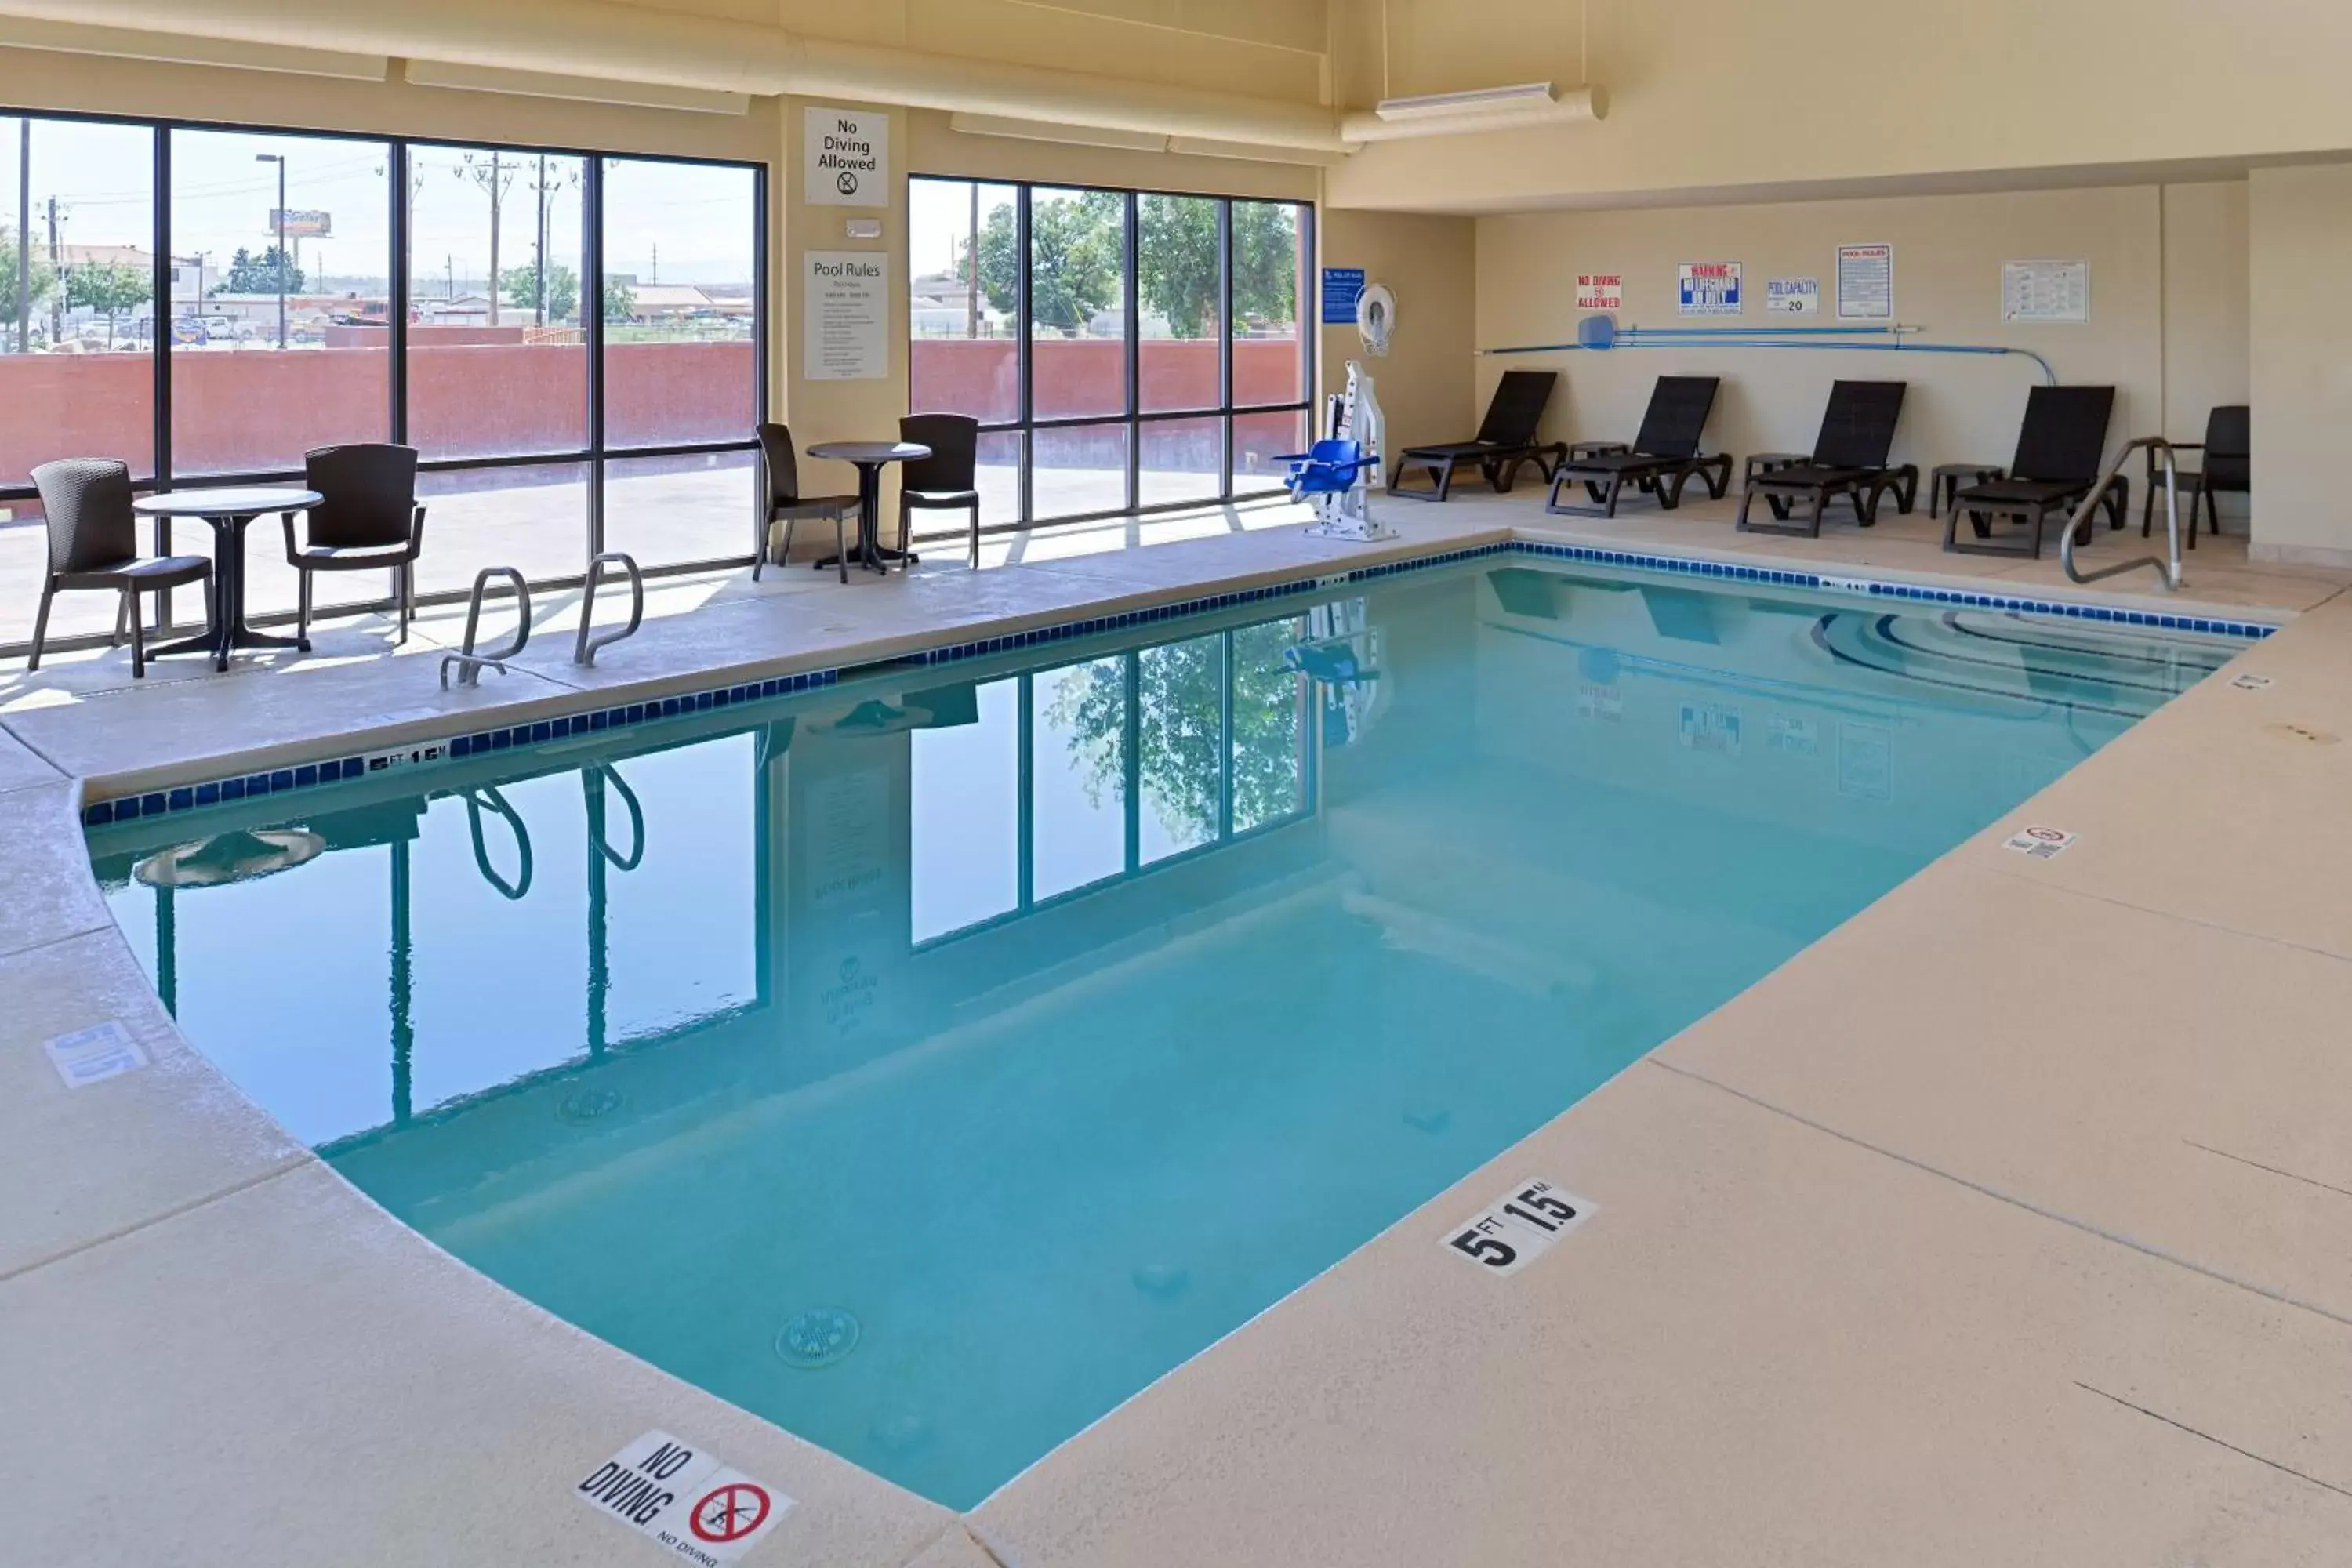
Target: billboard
303 223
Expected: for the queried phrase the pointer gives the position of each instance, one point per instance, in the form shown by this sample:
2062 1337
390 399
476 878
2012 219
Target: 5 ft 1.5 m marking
1518 1227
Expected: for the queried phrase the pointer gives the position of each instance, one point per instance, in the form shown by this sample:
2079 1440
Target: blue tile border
310 775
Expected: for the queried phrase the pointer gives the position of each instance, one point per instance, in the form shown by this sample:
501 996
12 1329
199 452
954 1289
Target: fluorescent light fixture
1528 96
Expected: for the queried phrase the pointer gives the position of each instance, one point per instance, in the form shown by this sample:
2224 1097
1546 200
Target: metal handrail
470 664
487 798
584 648
2169 565
604 773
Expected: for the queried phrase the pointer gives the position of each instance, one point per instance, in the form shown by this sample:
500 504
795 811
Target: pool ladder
2168 566
469 662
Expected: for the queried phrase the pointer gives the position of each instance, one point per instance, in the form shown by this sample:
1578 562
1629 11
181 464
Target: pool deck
2010 1223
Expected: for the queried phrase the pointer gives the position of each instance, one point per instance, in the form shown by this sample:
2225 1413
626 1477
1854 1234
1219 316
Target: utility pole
493 176
57 272
24 235
284 262
539 252
656 277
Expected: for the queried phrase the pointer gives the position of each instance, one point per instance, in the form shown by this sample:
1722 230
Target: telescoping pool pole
1601 334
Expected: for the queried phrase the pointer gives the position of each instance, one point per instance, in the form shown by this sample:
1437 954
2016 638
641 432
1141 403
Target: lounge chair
1663 457
2057 462
2228 467
1849 459
1506 439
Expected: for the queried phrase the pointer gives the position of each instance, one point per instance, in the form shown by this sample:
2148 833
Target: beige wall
2300 226
1727 94
2169 344
1424 383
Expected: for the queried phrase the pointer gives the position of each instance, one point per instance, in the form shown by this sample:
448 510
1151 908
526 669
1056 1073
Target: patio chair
1663 457
2227 468
2057 462
94 543
370 521
1849 459
1506 440
782 467
944 479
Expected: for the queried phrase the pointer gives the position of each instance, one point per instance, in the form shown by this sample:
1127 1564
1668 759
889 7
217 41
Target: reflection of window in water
1132 759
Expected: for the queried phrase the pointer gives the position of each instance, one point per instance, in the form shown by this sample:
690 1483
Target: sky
699 219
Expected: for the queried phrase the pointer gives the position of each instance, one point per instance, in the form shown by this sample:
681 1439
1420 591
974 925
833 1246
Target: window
77 320
681 360
1129 350
261 369
570 385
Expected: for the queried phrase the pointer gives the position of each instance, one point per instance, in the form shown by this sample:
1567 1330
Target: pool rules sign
683 1499
845 158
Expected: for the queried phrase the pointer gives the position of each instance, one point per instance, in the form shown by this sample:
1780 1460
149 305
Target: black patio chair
94 543
2057 462
944 479
2227 468
370 521
781 467
1506 441
1849 459
1662 459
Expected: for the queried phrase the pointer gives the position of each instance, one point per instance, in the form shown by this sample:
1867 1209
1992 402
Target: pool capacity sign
845 158
684 1499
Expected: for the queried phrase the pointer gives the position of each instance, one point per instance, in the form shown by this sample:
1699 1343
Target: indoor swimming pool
929 1062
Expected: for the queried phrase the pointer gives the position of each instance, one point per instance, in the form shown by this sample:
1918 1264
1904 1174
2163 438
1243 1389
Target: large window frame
595 454
1026 424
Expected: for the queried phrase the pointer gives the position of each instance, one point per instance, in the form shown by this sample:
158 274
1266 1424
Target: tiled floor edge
474 741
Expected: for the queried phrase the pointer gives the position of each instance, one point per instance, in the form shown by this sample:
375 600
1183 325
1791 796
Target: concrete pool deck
2012 1222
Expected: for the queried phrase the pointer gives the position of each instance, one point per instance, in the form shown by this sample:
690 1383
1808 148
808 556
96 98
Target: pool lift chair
1336 474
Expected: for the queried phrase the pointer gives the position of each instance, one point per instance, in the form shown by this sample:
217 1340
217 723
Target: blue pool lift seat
1330 468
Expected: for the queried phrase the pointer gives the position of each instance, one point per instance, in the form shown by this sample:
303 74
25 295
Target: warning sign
1709 288
100 1052
2040 842
683 1499
1600 291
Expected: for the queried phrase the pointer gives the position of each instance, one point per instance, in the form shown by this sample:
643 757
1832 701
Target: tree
520 286
1180 693
1074 259
41 277
110 287
1265 261
271 272
1176 270
620 301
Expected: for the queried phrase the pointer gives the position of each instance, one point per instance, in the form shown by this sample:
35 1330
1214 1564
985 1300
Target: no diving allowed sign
683 1499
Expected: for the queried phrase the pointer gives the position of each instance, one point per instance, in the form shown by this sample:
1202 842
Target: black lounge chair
1663 457
2228 467
1507 440
1849 459
2057 462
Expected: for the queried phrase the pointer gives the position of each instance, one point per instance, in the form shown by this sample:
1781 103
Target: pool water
929 1063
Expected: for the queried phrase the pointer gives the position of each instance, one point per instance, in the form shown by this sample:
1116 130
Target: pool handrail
2167 564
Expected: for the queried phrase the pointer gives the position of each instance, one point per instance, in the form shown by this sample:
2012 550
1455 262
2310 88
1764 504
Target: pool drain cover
817 1338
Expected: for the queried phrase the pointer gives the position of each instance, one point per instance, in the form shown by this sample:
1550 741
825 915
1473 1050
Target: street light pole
279 159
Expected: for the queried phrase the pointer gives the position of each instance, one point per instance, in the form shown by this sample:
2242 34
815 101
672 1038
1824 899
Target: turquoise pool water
930 1062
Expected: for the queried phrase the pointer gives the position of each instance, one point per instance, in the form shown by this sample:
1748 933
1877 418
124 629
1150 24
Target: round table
869 456
228 510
